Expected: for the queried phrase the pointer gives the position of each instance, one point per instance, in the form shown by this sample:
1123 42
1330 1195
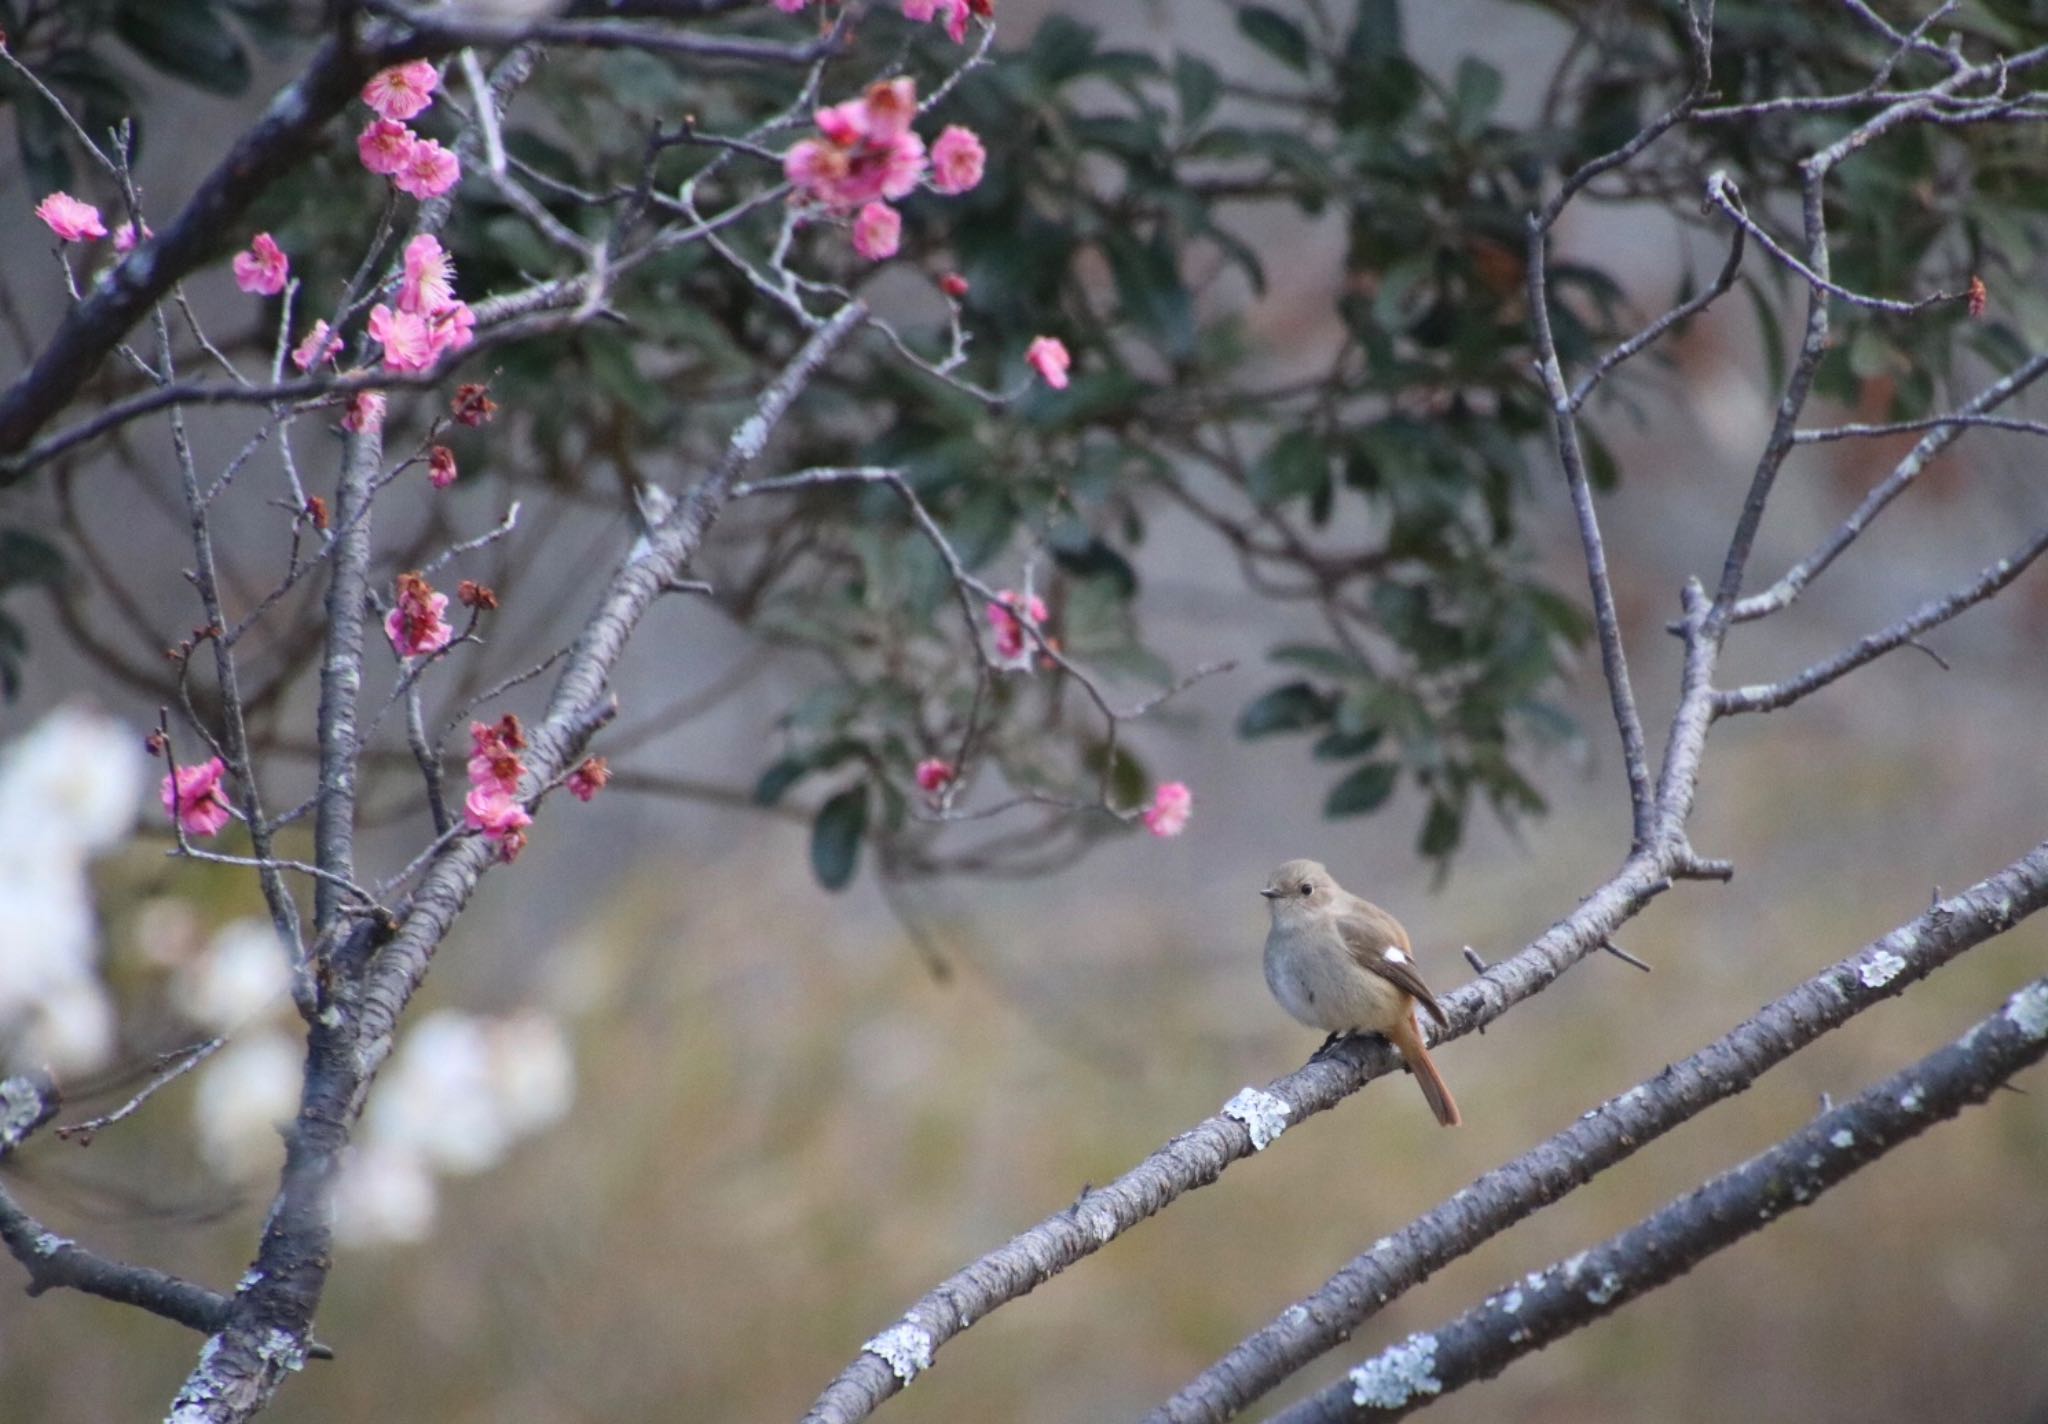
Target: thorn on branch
1623 955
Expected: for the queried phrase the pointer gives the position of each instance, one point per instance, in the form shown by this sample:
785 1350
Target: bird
1341 963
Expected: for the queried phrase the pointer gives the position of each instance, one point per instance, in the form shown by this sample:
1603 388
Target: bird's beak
1269 892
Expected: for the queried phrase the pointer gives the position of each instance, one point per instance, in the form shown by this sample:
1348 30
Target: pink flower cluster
318 345
365 412
492 805
1171 806
1013 645
262 270
428 320
194 798
1048 356
953 12
75 220
415 165
934 775
72 219
418 625
867 156
589 779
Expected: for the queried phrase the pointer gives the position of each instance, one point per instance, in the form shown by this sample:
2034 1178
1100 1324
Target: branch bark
1525 1316
377 968
1610 1134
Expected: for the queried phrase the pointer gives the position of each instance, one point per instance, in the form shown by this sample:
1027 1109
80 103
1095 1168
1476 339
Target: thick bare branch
1526 1315
1615 1131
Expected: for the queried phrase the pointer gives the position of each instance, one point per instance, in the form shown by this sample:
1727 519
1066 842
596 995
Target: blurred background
767 1124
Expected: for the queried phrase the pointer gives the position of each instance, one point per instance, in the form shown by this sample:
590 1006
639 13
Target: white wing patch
1394 955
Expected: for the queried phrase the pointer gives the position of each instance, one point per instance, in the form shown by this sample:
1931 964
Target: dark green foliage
1381 483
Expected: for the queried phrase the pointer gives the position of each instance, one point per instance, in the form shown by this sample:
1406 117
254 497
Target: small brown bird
1341 963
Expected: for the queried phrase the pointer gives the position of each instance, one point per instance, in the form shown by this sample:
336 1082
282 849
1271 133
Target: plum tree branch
1526 1315
1611 1133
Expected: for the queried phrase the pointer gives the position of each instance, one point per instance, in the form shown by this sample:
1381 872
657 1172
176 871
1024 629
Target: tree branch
1610 1134
265 1334
1548 1304
1770 696
93 326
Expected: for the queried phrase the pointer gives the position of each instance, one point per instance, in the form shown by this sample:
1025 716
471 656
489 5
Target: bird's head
1298 889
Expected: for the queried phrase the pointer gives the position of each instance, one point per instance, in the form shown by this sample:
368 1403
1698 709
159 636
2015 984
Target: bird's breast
1317 981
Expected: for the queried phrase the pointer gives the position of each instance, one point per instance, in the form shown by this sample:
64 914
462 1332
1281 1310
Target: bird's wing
1376 940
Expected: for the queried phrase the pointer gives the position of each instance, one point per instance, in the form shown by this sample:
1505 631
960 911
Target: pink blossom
70 218
492 805
441 467
451 328
498 814
957 160
429 170
386 147
365 412
1048 356
877 229
589 779
194 798
1171 806
955 12
429 283
867 152
891 105
408 343
953 285
317 346
402 92
934 774
261 271
493 757
416 625
129 234
1013 646
815 166
790 7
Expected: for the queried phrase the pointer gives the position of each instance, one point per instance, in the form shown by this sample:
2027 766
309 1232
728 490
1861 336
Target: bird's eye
1306 889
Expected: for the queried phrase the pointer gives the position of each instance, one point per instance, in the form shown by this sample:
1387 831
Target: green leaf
1346 746
836 835
1295 465
1331 662
1277 35
1092 558
778 778
1364 790
1197 85
1473 95
1441 829
28 558
187 41
1375 35
1149 287
1291 707
1060 49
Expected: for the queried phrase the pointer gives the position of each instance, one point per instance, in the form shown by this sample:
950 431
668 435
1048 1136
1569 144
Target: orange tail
1408 1038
